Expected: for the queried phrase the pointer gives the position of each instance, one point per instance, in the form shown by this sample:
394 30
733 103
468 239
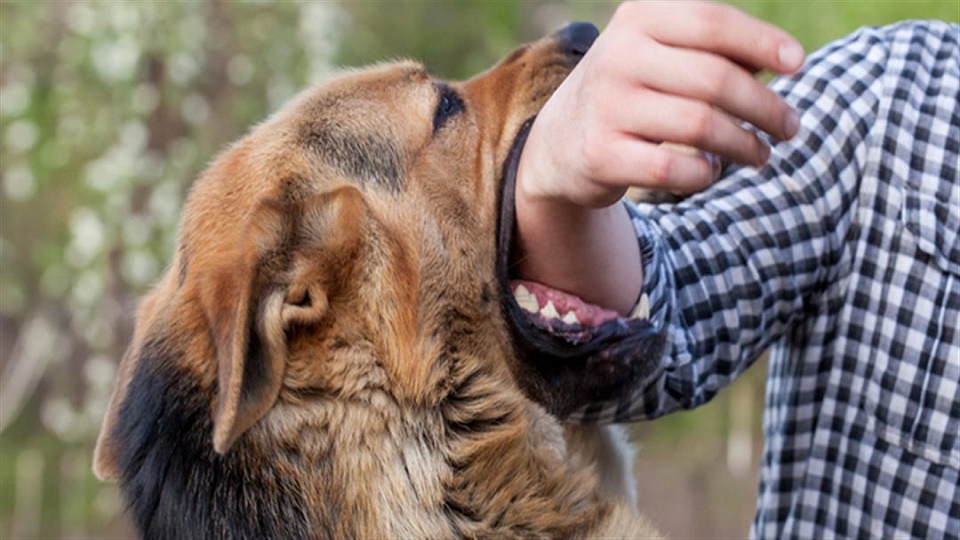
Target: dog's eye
448 105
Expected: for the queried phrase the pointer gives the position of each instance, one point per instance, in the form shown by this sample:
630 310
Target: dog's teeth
549 311
642 311
571 318
526 300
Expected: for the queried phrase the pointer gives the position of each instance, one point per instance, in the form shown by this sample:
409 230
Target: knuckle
660 168
594 161
718 80
719 14
607 64
627 10
620 12
700 124
709 20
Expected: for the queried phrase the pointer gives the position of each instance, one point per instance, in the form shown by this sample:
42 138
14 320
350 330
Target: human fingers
716 28
716 81
626 161
664 117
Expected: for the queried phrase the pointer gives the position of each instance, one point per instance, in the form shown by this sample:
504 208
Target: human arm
657 73
758 255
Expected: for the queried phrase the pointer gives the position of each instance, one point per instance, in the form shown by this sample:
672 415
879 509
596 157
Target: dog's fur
327 357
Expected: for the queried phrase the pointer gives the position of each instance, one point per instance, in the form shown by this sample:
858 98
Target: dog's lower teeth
642 311
526 300
549 311
571 318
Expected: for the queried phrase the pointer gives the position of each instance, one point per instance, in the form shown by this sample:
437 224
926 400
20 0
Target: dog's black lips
564 375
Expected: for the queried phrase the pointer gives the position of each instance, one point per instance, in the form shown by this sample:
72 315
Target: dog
337 349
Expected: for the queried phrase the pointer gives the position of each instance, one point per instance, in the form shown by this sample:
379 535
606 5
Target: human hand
680 72
676 72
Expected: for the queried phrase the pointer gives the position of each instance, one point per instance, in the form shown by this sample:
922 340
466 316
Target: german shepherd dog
337 351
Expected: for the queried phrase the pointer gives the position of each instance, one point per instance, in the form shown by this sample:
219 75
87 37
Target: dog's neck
327 464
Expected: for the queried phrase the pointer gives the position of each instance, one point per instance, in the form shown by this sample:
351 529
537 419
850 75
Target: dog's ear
282 281
290 256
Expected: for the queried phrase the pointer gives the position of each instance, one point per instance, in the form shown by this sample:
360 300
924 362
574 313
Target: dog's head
345 245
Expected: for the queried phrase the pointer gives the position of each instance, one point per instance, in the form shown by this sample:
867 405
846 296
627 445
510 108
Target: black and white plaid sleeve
842 256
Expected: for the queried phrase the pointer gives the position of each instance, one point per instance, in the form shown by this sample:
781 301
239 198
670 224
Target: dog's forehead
378 85
365 124
358 128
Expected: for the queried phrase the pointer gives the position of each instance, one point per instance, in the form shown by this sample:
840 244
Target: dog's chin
570 353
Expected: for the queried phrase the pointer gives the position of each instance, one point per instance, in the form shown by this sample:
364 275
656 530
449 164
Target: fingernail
714 162
791 123
764 155
791 56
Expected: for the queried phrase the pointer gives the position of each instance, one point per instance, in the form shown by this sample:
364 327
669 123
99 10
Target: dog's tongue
551 303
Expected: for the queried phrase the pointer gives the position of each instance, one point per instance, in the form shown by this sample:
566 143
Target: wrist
589 252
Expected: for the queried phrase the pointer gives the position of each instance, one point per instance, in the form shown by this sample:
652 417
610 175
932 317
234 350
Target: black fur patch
255 380
176 486
515 55
184 263
369 158
466 414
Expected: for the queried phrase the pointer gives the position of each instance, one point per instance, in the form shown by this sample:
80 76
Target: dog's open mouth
566 315
571 353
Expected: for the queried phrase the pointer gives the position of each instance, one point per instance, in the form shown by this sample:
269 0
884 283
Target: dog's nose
577 37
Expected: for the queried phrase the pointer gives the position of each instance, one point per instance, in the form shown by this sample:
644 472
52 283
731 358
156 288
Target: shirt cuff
658 287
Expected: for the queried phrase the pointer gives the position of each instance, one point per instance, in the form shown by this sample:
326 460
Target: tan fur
383 367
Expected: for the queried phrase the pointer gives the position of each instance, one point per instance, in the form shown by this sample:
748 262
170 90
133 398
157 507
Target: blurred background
108 110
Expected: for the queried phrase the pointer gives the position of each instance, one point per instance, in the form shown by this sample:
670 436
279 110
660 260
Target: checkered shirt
842 256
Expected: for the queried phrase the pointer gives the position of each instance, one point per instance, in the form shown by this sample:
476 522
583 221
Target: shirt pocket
912 396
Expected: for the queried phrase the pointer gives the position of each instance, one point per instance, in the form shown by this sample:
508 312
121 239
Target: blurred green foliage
815 22
109 109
